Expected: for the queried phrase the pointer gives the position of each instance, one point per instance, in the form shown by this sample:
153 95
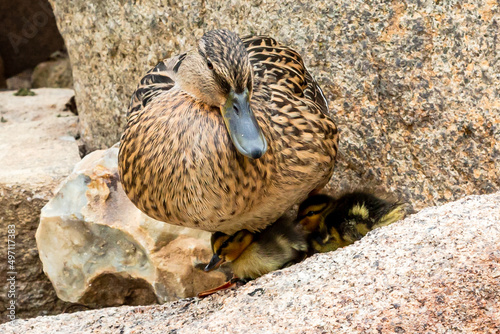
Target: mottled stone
28 34
413 87
20 81
437 271
99 250
54 73
37 151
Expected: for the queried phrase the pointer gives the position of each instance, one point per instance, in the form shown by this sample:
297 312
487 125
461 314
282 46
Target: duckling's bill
242 125
214 263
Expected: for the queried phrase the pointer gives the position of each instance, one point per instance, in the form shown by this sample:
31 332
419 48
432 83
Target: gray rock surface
437 271
99 250
413 86
37 151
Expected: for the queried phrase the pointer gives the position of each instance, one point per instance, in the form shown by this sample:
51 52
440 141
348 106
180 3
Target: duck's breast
179 165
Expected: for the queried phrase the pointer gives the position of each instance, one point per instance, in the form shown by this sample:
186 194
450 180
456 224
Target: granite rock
437 271
37 151
99 250
413 86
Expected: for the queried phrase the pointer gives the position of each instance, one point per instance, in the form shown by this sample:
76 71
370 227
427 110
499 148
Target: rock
28 34
436 271
178 271
37 150
55 74
20 81
411 86
99 250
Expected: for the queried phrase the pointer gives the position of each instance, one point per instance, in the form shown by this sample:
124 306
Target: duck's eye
210 65
311 213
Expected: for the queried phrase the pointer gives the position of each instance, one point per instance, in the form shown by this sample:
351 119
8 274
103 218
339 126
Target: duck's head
313 211
220 75
227 248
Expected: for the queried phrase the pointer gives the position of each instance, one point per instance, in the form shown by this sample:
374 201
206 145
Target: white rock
97 248
34 159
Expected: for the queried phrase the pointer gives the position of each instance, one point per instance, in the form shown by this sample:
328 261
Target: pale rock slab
37 151
437 271
98 249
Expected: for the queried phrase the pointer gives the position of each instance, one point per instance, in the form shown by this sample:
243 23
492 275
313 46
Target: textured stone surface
37 150
54 74
20 80
435 272
28 34
98 249
413 86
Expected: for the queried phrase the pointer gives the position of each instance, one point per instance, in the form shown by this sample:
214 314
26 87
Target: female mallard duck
333 223
252 255
227 137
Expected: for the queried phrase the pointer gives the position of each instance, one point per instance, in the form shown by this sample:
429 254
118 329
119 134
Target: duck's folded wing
284 71
157 80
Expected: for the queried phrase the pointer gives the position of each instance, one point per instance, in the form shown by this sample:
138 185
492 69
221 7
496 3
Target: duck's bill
215 262
242 126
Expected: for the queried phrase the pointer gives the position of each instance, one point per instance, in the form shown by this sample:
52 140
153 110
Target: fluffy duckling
254 254
333 223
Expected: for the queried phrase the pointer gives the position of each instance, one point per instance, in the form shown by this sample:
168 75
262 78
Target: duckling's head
313 211
220 75
228 248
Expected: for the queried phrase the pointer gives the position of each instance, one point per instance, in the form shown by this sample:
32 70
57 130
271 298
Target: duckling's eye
312 213
210 65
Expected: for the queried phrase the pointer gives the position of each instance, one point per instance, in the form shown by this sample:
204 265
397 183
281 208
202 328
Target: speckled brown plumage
177 162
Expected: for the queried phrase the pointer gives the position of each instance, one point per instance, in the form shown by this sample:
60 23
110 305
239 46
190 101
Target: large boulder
28 34
99 250
435 272
37 151
412 86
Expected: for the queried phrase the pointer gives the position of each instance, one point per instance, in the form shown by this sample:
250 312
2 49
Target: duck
253 254
331 223
228 136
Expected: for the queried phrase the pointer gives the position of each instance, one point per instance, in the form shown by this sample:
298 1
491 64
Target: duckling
227 136
333 223
254 254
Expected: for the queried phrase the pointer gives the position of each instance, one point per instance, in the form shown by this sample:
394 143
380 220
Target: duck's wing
157 80
282 70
